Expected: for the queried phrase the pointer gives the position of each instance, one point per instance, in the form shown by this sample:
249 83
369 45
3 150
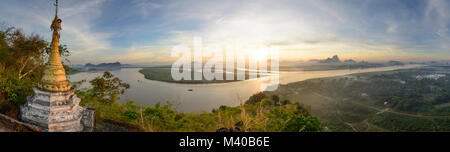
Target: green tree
22 54
267 102
108 88
256 98
276 99
22 59
285 102
301 123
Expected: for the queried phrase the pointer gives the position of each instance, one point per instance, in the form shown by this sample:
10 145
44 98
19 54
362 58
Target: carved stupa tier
54 111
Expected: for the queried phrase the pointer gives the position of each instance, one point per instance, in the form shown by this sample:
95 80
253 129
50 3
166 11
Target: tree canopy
22 60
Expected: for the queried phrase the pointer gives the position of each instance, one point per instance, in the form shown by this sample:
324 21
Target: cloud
108 30
146 7
136 57
79 33
78 24
438 13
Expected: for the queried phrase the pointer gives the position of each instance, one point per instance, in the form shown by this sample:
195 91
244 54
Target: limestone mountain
334 59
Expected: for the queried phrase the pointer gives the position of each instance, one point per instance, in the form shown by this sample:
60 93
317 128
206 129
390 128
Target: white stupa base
57 112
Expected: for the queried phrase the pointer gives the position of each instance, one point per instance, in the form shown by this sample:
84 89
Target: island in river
164 74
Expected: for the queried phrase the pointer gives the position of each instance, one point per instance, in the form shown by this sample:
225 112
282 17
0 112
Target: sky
145 31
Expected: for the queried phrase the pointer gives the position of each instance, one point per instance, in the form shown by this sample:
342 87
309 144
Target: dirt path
382 110
323 96
353 128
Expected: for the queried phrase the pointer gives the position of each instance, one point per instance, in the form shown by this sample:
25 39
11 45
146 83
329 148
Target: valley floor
377 101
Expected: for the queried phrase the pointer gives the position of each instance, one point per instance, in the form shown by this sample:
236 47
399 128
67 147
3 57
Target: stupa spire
54 78
56 5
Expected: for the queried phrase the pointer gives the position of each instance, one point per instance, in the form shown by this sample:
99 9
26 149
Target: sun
260 55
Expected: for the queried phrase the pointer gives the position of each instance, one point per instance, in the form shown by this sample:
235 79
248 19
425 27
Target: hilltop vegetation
21 63
265 115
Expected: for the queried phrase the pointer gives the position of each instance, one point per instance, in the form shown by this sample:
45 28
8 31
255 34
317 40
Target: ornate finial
56 25
56 5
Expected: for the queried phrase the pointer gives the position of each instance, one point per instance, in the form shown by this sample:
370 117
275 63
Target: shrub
267 102
301 123
256 98
133 115
286 102
275 99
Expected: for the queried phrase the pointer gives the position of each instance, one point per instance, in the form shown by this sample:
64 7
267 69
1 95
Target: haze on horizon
144 31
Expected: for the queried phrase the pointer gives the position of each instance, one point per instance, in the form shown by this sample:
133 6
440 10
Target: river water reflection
205 97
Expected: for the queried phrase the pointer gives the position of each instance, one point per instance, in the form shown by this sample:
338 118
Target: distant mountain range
334 59
395 63
102 66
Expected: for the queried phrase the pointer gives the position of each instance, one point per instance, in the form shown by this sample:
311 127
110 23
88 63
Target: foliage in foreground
261 116
22 59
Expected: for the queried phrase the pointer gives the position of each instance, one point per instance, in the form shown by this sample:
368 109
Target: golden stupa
54 106
54 78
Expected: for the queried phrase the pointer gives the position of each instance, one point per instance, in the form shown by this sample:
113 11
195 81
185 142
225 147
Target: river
205 97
